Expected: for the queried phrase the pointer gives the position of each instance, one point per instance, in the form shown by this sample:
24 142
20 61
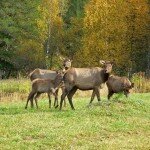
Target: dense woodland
35 34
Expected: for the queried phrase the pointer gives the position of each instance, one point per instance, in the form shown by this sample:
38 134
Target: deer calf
48 86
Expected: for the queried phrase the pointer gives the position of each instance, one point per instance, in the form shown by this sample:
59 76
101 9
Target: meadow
58 34
121 124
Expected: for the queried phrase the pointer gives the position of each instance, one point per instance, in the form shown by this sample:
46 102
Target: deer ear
102 62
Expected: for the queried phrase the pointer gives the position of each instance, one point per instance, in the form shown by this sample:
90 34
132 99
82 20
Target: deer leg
110 93
92 97
65 93
49 97
37 96
30 97
56 99
27 103
63 89
97 92
70 95
62 98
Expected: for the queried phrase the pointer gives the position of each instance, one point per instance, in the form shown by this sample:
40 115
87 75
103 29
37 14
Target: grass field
124 124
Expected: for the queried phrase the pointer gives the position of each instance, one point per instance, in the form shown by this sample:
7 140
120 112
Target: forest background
35 34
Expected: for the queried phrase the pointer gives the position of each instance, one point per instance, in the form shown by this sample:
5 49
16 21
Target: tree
18 27
109 32
50 25
138 33
73 29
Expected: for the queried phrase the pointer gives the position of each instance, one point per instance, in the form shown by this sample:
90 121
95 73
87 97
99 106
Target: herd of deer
69 79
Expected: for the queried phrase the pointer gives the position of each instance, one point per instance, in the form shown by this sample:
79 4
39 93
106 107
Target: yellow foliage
50 18
107 31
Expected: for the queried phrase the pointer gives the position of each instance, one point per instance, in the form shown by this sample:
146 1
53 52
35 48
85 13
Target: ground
122 124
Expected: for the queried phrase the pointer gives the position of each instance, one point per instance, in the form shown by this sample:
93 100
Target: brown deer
44 86
118 84
85 79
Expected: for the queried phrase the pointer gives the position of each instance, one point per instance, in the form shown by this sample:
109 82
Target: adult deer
85 79
118 84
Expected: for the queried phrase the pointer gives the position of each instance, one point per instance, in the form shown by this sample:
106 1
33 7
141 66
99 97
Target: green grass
124 124
15 85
